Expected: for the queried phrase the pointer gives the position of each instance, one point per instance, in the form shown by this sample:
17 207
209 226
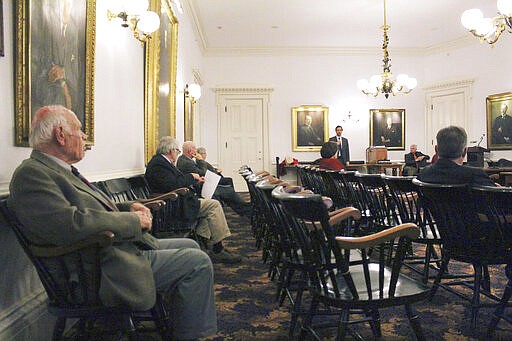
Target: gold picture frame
310 127
499 121
387 128
54 62
160 79
2 53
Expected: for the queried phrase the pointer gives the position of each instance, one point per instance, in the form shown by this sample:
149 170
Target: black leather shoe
225 257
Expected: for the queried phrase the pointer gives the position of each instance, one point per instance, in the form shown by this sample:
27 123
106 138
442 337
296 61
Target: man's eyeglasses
176 149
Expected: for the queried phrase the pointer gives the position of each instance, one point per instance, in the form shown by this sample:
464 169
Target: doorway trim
445 88
246 92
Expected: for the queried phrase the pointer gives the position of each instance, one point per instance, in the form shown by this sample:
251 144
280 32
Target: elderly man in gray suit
57 206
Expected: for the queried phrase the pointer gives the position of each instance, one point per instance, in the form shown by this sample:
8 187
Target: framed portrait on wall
387 128
160 78
499 121
309 127
54 54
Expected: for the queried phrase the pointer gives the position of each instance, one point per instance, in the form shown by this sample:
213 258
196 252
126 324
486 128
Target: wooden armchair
359 288
71 277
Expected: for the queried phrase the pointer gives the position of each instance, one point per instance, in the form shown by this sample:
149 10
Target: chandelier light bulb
363 84
375 81
471 18
194 90
485 27
401 79
505 7
149 22
411 83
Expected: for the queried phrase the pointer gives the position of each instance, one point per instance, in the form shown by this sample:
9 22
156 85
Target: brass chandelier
384 83
489 29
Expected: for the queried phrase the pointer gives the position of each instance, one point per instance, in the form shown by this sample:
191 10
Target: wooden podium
476 156
376 153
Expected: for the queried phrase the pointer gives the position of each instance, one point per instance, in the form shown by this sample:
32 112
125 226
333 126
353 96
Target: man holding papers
191 162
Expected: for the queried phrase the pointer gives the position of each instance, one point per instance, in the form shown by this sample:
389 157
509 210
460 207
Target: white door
446 107
241 137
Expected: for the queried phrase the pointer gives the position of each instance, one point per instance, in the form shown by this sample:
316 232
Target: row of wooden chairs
450 214
309 257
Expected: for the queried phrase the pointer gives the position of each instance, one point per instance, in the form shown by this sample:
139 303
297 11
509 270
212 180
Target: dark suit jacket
57 208
409 159
344 157
445 171
186 165
163 176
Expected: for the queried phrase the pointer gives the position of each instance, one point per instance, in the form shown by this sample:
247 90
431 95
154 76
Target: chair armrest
155 205
343 214
102 240
408 230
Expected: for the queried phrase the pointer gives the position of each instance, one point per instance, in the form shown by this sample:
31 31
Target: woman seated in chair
329 160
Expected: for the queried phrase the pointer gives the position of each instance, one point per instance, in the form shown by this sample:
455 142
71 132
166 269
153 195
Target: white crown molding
196 24
454 83
264 90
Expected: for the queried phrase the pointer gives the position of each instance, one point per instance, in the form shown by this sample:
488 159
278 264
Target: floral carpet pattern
247 310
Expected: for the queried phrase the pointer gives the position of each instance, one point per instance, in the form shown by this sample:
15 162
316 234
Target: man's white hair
46 119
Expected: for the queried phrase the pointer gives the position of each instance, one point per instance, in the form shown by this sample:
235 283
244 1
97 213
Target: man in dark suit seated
57 206
163 176
414 161
192 162
451 148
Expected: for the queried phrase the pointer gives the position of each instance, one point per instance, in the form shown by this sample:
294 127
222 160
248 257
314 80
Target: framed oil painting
387 128
309 127
160 78
499 121
54 61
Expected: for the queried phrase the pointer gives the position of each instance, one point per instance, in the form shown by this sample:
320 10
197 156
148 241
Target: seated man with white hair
163 176
191 161
57 206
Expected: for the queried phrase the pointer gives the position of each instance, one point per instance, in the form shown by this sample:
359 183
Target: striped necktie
105 200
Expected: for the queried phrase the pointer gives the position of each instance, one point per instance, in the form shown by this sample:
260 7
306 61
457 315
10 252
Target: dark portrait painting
57 39
2 53
387 128
499 121
309 127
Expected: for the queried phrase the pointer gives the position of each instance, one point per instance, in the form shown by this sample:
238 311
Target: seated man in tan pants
163 176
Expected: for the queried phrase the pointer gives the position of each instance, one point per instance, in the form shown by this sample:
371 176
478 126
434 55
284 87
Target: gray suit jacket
57 208
186 166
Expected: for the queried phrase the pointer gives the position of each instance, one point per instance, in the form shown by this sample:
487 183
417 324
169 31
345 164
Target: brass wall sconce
192 93
134 14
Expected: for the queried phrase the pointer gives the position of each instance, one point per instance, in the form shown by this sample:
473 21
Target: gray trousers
184 276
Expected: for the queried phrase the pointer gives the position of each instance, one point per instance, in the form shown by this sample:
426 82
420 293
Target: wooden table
377 168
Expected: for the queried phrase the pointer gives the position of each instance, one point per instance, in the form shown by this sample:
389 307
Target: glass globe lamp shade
411 83
375 81
401 79
485 27
194 90
149 22
363 84
505 7
471 18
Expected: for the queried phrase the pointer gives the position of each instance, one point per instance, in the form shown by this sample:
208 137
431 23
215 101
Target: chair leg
428 257
375 323
498 313
414 320
475 301
486 280
296 310
442 270
306 325
343 324
58 329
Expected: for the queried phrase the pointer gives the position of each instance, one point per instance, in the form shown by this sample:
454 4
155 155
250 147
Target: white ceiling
270 26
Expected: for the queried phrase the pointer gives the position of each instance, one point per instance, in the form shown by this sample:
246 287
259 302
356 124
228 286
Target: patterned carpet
247 310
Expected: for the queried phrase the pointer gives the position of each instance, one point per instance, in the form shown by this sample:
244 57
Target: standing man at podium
343 152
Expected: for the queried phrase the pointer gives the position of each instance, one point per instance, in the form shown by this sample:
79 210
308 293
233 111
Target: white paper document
211 180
